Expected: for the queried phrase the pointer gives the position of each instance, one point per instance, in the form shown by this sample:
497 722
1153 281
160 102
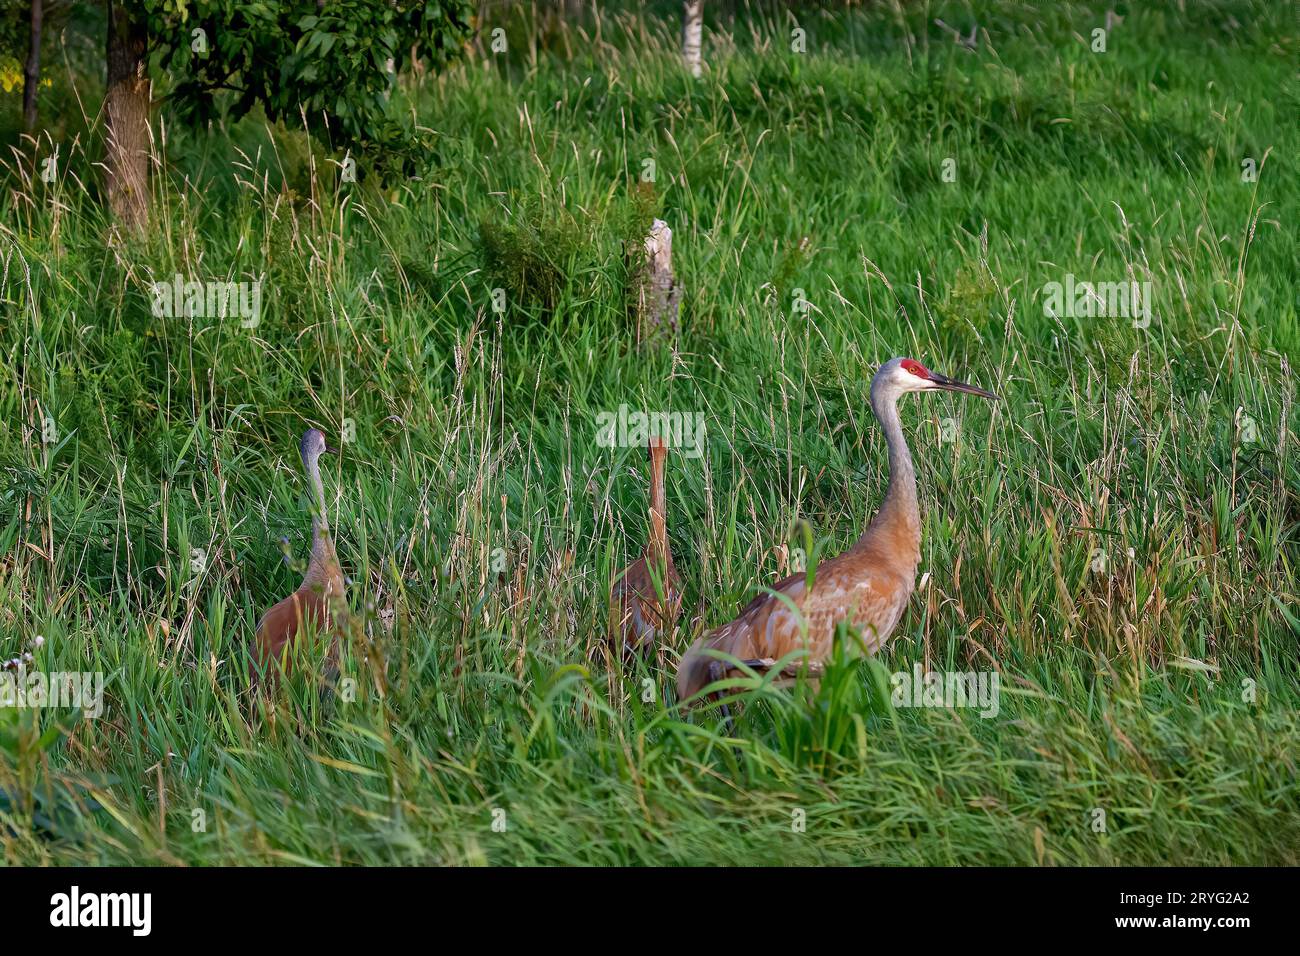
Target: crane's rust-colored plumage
648 594
318 604
868 585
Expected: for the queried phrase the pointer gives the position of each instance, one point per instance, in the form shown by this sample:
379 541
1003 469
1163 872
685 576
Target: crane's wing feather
852 586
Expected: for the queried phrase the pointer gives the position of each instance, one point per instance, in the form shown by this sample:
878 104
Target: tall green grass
1117 538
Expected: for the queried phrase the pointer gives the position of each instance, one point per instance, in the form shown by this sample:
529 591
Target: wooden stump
659 297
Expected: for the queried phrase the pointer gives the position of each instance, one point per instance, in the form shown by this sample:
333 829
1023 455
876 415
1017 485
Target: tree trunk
32 72
693 35
126 111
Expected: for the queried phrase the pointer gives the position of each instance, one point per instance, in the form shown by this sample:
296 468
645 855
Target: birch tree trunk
693 35
126 111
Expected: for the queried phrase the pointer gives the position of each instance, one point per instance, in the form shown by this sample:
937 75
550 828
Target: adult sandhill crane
868 585
319 601
648 594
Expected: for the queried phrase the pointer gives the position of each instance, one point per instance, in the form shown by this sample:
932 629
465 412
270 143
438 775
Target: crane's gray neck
322 547
319 523
899 507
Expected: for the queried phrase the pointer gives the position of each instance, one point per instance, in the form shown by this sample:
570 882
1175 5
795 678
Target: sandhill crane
868 585
319 600
648 594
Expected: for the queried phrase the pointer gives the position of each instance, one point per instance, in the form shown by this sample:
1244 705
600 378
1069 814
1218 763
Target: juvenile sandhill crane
319 600
868 585
648 594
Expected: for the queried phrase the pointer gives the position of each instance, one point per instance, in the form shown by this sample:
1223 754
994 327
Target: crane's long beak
952 385
331 450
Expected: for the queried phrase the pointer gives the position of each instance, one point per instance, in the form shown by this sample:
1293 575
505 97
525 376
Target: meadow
1117 537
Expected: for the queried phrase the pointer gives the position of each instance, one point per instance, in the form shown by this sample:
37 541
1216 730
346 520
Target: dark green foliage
531 256
325 66
542 254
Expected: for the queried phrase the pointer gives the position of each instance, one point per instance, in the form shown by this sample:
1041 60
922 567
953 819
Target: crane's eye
916 368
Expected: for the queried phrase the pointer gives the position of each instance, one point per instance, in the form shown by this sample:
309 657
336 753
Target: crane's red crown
916 368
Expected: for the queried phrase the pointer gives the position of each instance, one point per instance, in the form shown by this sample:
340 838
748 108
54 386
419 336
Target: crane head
313 445
901 375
